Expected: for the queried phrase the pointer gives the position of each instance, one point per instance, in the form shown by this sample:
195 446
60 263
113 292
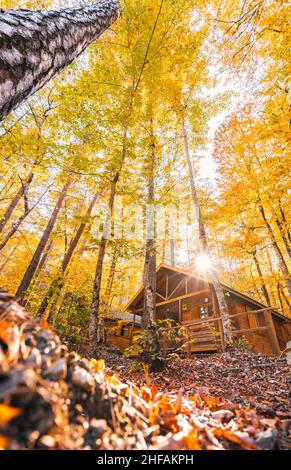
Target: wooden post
180 311
272 332
167 286
188 345
132 327
216 314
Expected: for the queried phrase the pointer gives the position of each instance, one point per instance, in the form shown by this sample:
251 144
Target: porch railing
194 329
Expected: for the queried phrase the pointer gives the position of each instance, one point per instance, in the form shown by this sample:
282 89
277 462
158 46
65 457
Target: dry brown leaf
7 413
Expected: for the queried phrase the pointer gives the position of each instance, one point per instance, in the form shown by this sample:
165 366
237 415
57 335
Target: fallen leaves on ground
55 399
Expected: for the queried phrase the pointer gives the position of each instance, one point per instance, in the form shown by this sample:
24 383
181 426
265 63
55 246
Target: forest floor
51 398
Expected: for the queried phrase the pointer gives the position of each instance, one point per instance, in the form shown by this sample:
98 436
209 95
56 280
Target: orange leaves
191 440
4 441
7 413
11 335
98 365
236 438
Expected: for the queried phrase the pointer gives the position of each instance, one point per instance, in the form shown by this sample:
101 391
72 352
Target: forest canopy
172 87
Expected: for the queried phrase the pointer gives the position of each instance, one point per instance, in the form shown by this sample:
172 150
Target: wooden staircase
202 337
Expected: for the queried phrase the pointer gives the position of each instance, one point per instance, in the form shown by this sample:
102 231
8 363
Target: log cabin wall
119 334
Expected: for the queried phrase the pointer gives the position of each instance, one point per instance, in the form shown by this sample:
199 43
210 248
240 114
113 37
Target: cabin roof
186 272
126 317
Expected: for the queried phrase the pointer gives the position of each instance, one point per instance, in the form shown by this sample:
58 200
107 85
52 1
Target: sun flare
203 262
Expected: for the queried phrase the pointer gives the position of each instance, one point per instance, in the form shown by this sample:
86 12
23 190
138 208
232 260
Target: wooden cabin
120 329
189 299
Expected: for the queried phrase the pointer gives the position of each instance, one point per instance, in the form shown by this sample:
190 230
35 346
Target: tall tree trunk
283 236
111 276
37 45
58 281
281 226
172 244
286 225
96 326
41 266
204 244
27 278
263 285
21 191
95 322
281 260
151 351
8 258
16 224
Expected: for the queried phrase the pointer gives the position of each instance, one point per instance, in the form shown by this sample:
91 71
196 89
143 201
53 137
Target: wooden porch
207 335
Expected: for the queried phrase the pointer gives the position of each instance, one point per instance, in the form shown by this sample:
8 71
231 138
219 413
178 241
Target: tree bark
282 263
27 278
226 322
58 281
37 45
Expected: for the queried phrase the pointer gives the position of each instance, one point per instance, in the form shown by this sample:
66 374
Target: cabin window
124 330
174 316
205 311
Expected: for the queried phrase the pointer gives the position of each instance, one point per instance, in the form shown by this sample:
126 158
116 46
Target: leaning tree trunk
27 278
96 326
20 192
285 223
111 276
57 283
226 322
260 273
95 321
36 45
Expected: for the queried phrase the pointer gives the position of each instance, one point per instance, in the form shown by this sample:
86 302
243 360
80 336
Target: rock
81 378
34 359
222 415
267 439
58 370
45 335
47 441
98 427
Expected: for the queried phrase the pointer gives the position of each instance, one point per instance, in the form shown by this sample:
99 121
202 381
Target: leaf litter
52 398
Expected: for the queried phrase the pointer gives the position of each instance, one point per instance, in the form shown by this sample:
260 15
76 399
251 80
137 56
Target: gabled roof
202 277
